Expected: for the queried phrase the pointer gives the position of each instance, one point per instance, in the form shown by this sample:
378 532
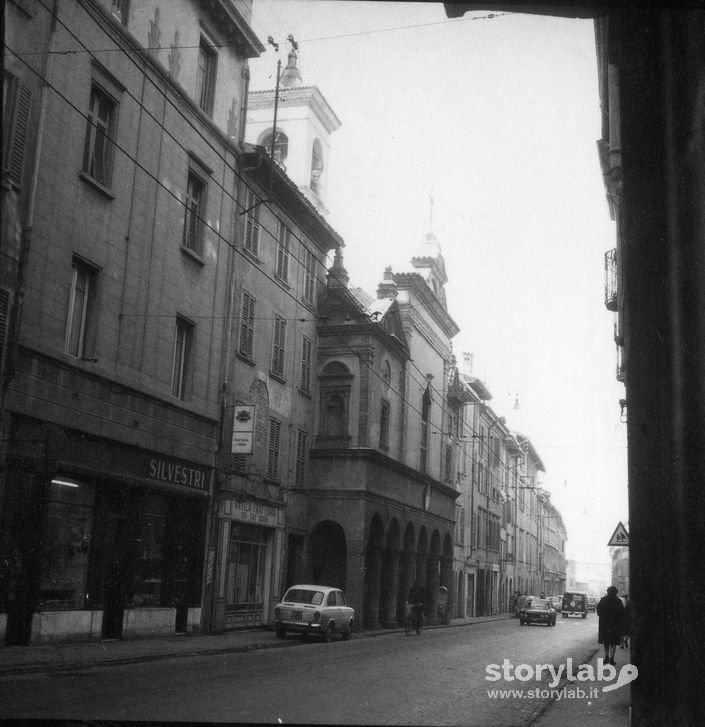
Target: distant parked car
556 602
591 603
538 611
574 604
309 609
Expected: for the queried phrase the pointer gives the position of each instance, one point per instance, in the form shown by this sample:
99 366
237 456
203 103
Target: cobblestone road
436 678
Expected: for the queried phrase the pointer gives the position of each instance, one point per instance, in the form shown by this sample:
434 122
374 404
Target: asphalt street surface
435 678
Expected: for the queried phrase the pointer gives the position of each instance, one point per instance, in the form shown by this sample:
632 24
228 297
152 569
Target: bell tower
304 124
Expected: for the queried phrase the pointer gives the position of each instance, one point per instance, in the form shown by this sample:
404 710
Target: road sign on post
619 537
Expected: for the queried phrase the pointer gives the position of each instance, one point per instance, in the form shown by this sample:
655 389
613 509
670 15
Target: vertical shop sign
243 429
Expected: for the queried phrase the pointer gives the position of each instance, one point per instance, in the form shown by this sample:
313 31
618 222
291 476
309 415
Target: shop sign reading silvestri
175 473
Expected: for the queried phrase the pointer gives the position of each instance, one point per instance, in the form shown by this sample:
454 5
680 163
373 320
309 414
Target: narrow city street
435 678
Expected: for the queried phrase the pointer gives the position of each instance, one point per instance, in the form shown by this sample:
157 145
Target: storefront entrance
244 600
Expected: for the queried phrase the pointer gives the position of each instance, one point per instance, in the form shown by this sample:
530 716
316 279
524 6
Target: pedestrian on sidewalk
610 611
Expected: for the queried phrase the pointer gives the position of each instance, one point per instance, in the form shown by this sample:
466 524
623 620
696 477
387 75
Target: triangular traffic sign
620 536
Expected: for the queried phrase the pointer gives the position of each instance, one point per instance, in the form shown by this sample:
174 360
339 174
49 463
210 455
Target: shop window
66 545
149 553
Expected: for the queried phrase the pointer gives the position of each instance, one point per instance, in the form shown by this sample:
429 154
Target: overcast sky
495 118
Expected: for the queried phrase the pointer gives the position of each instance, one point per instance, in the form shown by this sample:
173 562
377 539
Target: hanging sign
243 429
619 537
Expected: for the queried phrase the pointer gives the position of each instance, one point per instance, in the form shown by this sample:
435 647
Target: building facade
111 380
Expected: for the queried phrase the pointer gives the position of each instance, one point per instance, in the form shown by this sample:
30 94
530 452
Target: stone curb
81 664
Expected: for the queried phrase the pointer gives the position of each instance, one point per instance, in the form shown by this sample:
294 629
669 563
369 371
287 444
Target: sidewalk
610 708
53 657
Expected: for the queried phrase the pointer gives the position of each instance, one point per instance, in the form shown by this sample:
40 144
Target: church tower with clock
304 124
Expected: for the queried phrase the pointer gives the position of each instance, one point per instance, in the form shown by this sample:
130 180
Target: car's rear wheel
584 615
328 633
281 633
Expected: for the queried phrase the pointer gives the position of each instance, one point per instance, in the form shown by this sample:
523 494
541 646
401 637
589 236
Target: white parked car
307 609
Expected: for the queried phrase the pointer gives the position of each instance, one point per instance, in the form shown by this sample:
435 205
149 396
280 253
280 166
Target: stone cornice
291 97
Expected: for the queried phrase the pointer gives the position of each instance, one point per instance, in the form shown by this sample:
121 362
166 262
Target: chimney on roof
388 287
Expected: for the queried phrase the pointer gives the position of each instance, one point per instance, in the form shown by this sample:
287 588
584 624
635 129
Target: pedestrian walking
610 611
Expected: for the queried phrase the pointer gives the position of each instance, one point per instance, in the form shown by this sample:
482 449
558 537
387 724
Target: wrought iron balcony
611 279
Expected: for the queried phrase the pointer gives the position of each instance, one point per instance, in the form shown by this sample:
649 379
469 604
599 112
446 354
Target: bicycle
413 618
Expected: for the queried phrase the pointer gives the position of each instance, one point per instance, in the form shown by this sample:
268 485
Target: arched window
281 145
316 165
335 415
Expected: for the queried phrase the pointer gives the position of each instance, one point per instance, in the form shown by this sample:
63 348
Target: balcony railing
611 280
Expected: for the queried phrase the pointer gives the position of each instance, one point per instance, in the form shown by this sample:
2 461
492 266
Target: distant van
574 604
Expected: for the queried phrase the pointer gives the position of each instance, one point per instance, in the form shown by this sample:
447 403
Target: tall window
335 415
300 458
306 352
195 213
282 262
275 427
449 464
183 338
247 327
423 445
309 276
205 76
83 278
100 136
384 425
252 228
279 347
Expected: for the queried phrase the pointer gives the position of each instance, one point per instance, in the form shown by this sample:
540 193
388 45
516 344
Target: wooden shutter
20 129
273 455
247 326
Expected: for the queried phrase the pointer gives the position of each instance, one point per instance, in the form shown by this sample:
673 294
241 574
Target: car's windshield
540 603
304 595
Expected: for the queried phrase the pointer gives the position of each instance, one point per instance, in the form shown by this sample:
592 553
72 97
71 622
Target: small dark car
537 611
574 604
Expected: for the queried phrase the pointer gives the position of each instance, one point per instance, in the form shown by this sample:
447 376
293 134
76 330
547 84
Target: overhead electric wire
422 381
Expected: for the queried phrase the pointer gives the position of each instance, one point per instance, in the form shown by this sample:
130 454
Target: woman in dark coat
610 611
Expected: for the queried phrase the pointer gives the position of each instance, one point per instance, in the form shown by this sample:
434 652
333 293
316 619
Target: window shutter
273 454
247 326
19 136
4 321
